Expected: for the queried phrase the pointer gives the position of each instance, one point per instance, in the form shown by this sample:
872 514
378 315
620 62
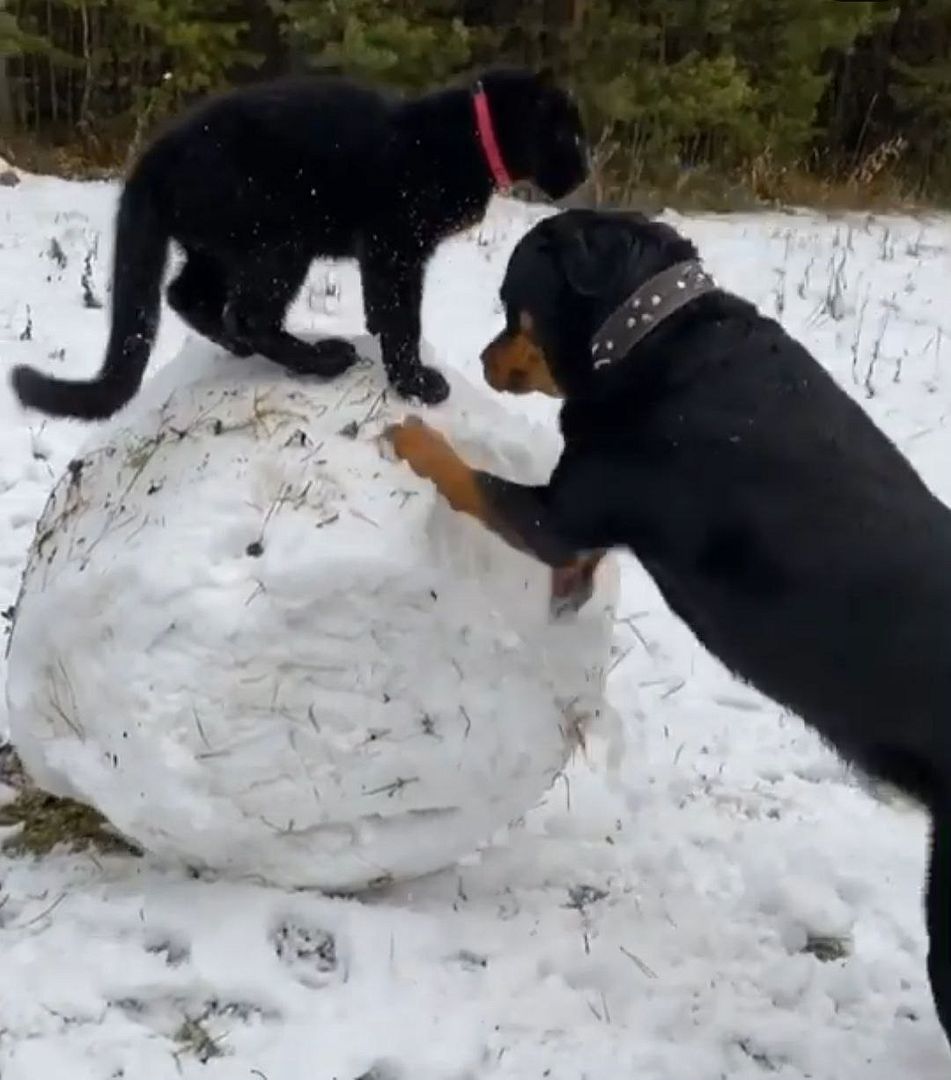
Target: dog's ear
595 256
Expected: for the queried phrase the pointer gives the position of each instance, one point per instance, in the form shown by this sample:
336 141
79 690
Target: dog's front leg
393 295
521 515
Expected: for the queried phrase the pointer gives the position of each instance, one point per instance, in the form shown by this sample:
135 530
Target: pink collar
490 146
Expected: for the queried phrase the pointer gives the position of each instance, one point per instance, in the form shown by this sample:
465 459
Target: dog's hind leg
939 914
254 316
198 294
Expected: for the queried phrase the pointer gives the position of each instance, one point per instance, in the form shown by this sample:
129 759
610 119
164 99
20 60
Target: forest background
705 103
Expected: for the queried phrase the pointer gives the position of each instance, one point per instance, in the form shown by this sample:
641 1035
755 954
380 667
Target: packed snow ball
260 645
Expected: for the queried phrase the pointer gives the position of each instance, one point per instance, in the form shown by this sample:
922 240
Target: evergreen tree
783 45
668 87
409 43
921 89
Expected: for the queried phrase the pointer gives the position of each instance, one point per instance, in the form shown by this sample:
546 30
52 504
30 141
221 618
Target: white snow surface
256 644
663 926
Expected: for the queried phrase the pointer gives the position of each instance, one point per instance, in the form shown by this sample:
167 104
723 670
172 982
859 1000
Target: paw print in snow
310 952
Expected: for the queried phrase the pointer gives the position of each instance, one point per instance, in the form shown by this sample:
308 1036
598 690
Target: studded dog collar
643 311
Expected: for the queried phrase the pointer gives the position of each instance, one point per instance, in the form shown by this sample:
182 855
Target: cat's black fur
256 183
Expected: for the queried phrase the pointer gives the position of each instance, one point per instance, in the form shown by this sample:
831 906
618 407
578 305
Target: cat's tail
141 247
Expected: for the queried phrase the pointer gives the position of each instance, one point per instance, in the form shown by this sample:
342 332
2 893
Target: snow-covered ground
737 905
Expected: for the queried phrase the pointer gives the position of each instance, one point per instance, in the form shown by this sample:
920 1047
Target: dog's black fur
779 522
256 183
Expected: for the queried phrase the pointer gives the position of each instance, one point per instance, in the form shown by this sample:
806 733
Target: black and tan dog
780 524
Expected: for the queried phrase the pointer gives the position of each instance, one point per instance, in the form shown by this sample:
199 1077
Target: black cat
256 183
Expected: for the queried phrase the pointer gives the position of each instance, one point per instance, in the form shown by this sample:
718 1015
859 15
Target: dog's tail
141 247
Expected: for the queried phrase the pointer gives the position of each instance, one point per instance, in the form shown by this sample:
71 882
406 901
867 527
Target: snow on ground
736 905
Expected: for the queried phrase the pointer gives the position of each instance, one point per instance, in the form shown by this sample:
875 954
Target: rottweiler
780 524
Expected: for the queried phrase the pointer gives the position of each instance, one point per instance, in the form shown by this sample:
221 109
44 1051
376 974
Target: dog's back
794 538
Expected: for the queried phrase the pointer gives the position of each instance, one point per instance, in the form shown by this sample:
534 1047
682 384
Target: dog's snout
489 351
490 361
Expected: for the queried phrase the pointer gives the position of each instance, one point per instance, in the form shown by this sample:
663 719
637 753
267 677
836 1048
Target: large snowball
257 643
